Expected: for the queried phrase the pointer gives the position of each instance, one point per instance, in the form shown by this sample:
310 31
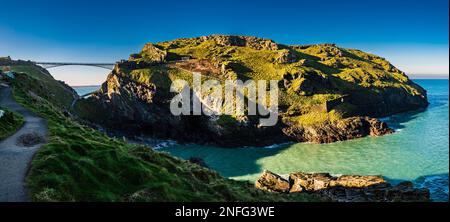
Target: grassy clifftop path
17 150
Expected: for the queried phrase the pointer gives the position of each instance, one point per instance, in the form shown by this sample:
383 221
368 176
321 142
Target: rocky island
326 93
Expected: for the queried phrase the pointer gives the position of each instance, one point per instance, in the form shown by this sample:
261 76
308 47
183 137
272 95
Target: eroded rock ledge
345 188
345 129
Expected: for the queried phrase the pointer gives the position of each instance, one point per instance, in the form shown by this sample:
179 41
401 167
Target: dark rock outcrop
387 101
346 188
345 129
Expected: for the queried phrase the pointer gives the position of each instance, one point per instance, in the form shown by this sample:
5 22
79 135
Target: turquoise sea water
418 151
83 90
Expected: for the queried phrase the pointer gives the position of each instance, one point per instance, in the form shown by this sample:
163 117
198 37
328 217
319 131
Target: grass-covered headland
323 91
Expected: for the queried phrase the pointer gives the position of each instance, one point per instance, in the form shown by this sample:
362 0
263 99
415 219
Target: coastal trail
15 157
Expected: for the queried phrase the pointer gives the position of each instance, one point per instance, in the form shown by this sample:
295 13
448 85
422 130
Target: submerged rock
346 188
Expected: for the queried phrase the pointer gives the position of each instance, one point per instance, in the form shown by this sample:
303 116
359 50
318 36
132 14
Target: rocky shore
345 188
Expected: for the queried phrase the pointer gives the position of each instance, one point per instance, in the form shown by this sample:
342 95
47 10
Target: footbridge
49 65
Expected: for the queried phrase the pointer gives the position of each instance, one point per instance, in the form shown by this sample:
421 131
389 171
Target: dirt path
15 159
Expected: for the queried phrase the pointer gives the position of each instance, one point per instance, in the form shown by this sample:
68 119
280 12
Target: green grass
82 164
260 64
160 76
44 85
316 118
10 122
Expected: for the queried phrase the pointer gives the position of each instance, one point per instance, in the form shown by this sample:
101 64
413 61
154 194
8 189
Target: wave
164 144
278 145
437 184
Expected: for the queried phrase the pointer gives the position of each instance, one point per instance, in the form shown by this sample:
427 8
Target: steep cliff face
136 109
325 92
345 129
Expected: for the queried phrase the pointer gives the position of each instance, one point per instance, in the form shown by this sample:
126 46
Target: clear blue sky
414 35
